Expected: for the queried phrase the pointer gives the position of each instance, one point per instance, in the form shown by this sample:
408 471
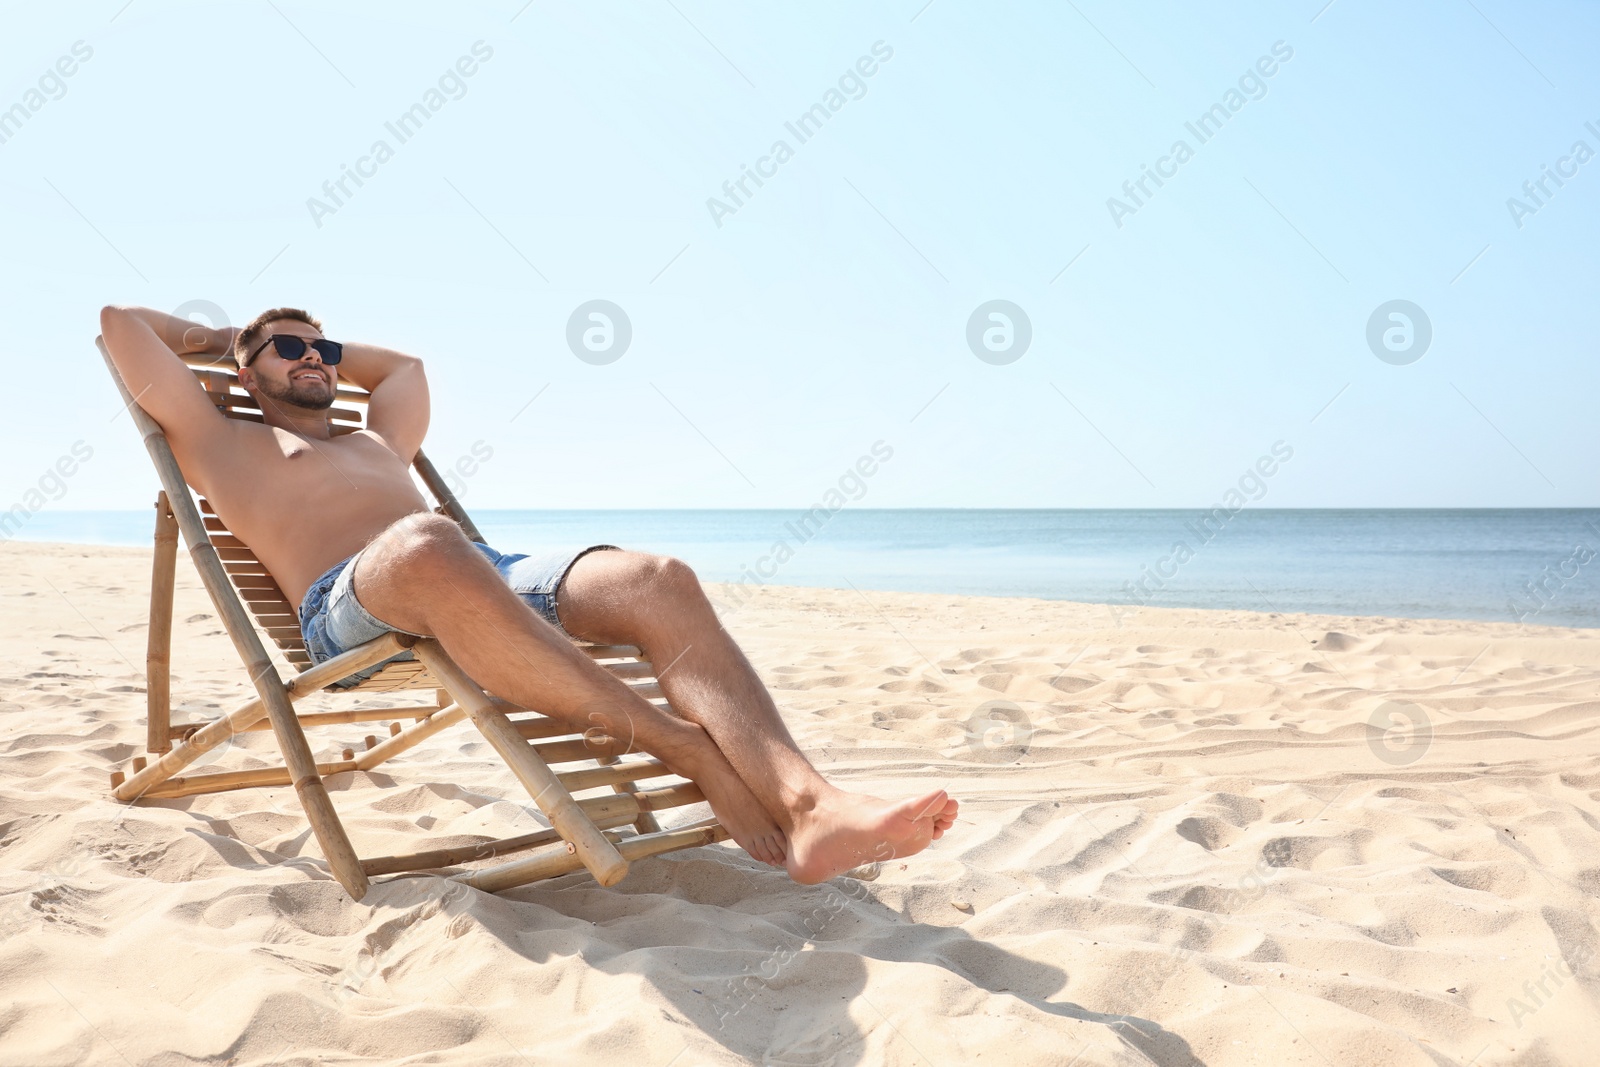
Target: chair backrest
256 587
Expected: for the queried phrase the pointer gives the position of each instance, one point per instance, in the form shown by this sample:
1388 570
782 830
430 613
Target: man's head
305 382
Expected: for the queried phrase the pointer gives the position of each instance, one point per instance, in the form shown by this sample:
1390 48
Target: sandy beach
1183 841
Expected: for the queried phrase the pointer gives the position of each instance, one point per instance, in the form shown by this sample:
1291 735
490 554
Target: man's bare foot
845 830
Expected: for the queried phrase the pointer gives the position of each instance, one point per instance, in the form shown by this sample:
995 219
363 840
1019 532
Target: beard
312 396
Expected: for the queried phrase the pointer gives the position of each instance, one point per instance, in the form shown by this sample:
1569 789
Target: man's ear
247 379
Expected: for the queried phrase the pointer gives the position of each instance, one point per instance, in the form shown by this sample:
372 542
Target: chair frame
584 833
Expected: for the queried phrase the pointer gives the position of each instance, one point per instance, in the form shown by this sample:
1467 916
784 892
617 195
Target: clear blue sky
771 351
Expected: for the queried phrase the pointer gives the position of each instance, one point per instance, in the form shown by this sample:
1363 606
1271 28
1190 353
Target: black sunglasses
291 347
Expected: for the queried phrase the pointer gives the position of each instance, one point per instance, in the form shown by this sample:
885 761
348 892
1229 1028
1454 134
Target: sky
972 154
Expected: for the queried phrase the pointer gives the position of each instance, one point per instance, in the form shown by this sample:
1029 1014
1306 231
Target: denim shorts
332 620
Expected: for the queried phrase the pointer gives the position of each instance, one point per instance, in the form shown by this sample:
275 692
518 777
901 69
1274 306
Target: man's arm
144 345
398 411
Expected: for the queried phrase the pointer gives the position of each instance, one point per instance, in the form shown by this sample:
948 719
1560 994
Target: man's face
304 383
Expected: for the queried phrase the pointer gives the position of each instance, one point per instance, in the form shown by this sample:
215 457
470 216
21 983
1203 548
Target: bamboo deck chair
585 831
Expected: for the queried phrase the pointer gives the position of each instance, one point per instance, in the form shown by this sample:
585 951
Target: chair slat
632 670
609 651
206 361
271 598
383 682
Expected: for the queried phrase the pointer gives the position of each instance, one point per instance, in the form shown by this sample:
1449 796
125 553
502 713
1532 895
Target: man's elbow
113 316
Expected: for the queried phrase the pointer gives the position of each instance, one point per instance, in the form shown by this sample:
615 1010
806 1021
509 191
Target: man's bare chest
273 466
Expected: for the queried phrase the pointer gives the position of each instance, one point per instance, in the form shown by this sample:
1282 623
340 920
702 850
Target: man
341 526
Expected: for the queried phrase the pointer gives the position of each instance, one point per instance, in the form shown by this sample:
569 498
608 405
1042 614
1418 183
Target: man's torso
301 504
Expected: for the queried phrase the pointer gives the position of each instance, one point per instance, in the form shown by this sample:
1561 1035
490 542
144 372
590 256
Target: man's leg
424 576
657 603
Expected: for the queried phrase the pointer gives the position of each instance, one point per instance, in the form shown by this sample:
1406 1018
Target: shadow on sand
766 971
769 971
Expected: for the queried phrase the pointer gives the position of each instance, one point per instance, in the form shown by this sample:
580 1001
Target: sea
1534 566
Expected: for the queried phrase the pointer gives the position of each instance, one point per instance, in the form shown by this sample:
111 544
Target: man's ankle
805 796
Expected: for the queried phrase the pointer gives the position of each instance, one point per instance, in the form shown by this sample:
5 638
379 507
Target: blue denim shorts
332 620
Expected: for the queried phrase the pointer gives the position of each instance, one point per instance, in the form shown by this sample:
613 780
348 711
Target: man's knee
423 543
656 580
676 578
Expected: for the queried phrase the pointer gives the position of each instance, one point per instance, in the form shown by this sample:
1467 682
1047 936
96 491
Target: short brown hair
251 335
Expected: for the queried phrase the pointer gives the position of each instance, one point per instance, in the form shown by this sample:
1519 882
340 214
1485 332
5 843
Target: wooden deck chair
585 831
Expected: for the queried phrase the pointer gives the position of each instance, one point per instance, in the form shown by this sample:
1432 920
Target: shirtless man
341 526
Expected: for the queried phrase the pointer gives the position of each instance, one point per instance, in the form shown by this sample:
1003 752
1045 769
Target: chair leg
596 851
307 781
158 656
646 822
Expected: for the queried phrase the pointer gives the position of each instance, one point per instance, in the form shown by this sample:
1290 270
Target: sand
1181 842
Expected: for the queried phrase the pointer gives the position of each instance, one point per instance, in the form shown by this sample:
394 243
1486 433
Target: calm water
1470 564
